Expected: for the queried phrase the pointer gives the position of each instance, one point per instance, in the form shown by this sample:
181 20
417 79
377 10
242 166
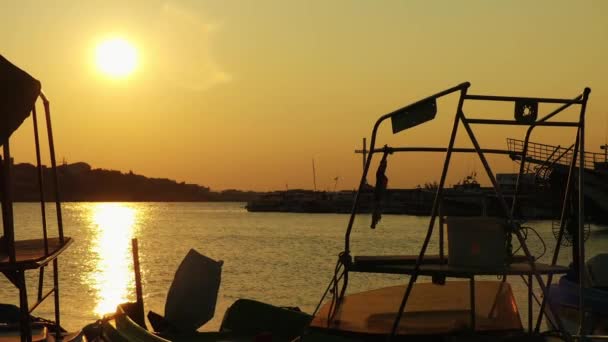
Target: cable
524 230
333 282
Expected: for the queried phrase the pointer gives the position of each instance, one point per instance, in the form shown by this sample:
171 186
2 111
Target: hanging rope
380 189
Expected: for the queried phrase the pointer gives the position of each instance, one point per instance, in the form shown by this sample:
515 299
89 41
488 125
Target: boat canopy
18 93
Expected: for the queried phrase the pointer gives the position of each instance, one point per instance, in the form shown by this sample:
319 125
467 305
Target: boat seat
385 260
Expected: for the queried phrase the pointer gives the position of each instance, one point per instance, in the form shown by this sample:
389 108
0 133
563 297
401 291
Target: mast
364 152
314 175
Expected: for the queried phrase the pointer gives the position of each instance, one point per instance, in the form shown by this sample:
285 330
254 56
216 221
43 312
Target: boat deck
431 310
30 254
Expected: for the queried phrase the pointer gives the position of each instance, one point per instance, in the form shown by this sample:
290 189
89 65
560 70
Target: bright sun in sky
116 57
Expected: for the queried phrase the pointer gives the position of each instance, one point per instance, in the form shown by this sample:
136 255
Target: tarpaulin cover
193 294
18 93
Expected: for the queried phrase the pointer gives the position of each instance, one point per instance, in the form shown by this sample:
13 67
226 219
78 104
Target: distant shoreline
79 182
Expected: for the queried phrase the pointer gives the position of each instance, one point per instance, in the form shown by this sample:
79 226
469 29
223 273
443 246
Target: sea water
285 259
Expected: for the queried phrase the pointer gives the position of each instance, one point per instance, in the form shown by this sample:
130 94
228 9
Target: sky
246 94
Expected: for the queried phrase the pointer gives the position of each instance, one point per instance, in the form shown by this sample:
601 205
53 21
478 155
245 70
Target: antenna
314 175
364 152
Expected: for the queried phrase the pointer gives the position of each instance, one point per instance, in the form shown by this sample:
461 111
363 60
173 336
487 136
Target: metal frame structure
16 266
509 209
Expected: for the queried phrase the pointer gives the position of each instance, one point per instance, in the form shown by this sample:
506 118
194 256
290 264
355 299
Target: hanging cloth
380 189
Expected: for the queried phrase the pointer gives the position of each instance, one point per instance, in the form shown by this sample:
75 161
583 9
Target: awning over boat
18 93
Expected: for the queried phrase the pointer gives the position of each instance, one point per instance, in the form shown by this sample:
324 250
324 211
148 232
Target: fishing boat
443 298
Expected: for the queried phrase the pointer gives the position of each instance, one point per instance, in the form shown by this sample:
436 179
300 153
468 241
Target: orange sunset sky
245 94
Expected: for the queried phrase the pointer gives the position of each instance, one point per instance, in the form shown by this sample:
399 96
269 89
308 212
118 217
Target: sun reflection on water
112 280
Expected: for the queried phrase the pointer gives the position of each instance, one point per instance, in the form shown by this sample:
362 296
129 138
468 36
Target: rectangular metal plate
411 116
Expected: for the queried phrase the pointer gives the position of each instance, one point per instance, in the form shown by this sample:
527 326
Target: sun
116 57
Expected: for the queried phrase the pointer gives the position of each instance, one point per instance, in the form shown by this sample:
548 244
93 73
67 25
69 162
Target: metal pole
138 287
364 152
25 322
562 222
314 176
530 311
363 180
47 110
514 227
581 216
7 203
56 297
40 181
525 148
436 202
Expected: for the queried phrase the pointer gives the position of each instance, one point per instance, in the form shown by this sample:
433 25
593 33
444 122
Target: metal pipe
41 299
487 168
513 98
517 123
56 297
138 288
560 235
514 228
472 301
40 181
581 215
436 149
435 209
372 145
7 204
540 122
441 236
362 182
47 110
40 283
530 313
25 323
364 151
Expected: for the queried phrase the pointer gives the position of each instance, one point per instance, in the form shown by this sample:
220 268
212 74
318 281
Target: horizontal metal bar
41 300
439 149
513 99
516 123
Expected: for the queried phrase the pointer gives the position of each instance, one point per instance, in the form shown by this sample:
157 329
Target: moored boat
443 308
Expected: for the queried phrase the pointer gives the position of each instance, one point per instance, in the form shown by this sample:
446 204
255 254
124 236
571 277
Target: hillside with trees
80 182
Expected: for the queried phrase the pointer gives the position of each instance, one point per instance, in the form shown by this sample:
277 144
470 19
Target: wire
333 283
524 230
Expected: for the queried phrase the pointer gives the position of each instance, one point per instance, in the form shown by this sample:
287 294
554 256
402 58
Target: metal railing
544 154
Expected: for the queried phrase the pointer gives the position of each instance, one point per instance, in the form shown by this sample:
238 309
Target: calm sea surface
280 258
